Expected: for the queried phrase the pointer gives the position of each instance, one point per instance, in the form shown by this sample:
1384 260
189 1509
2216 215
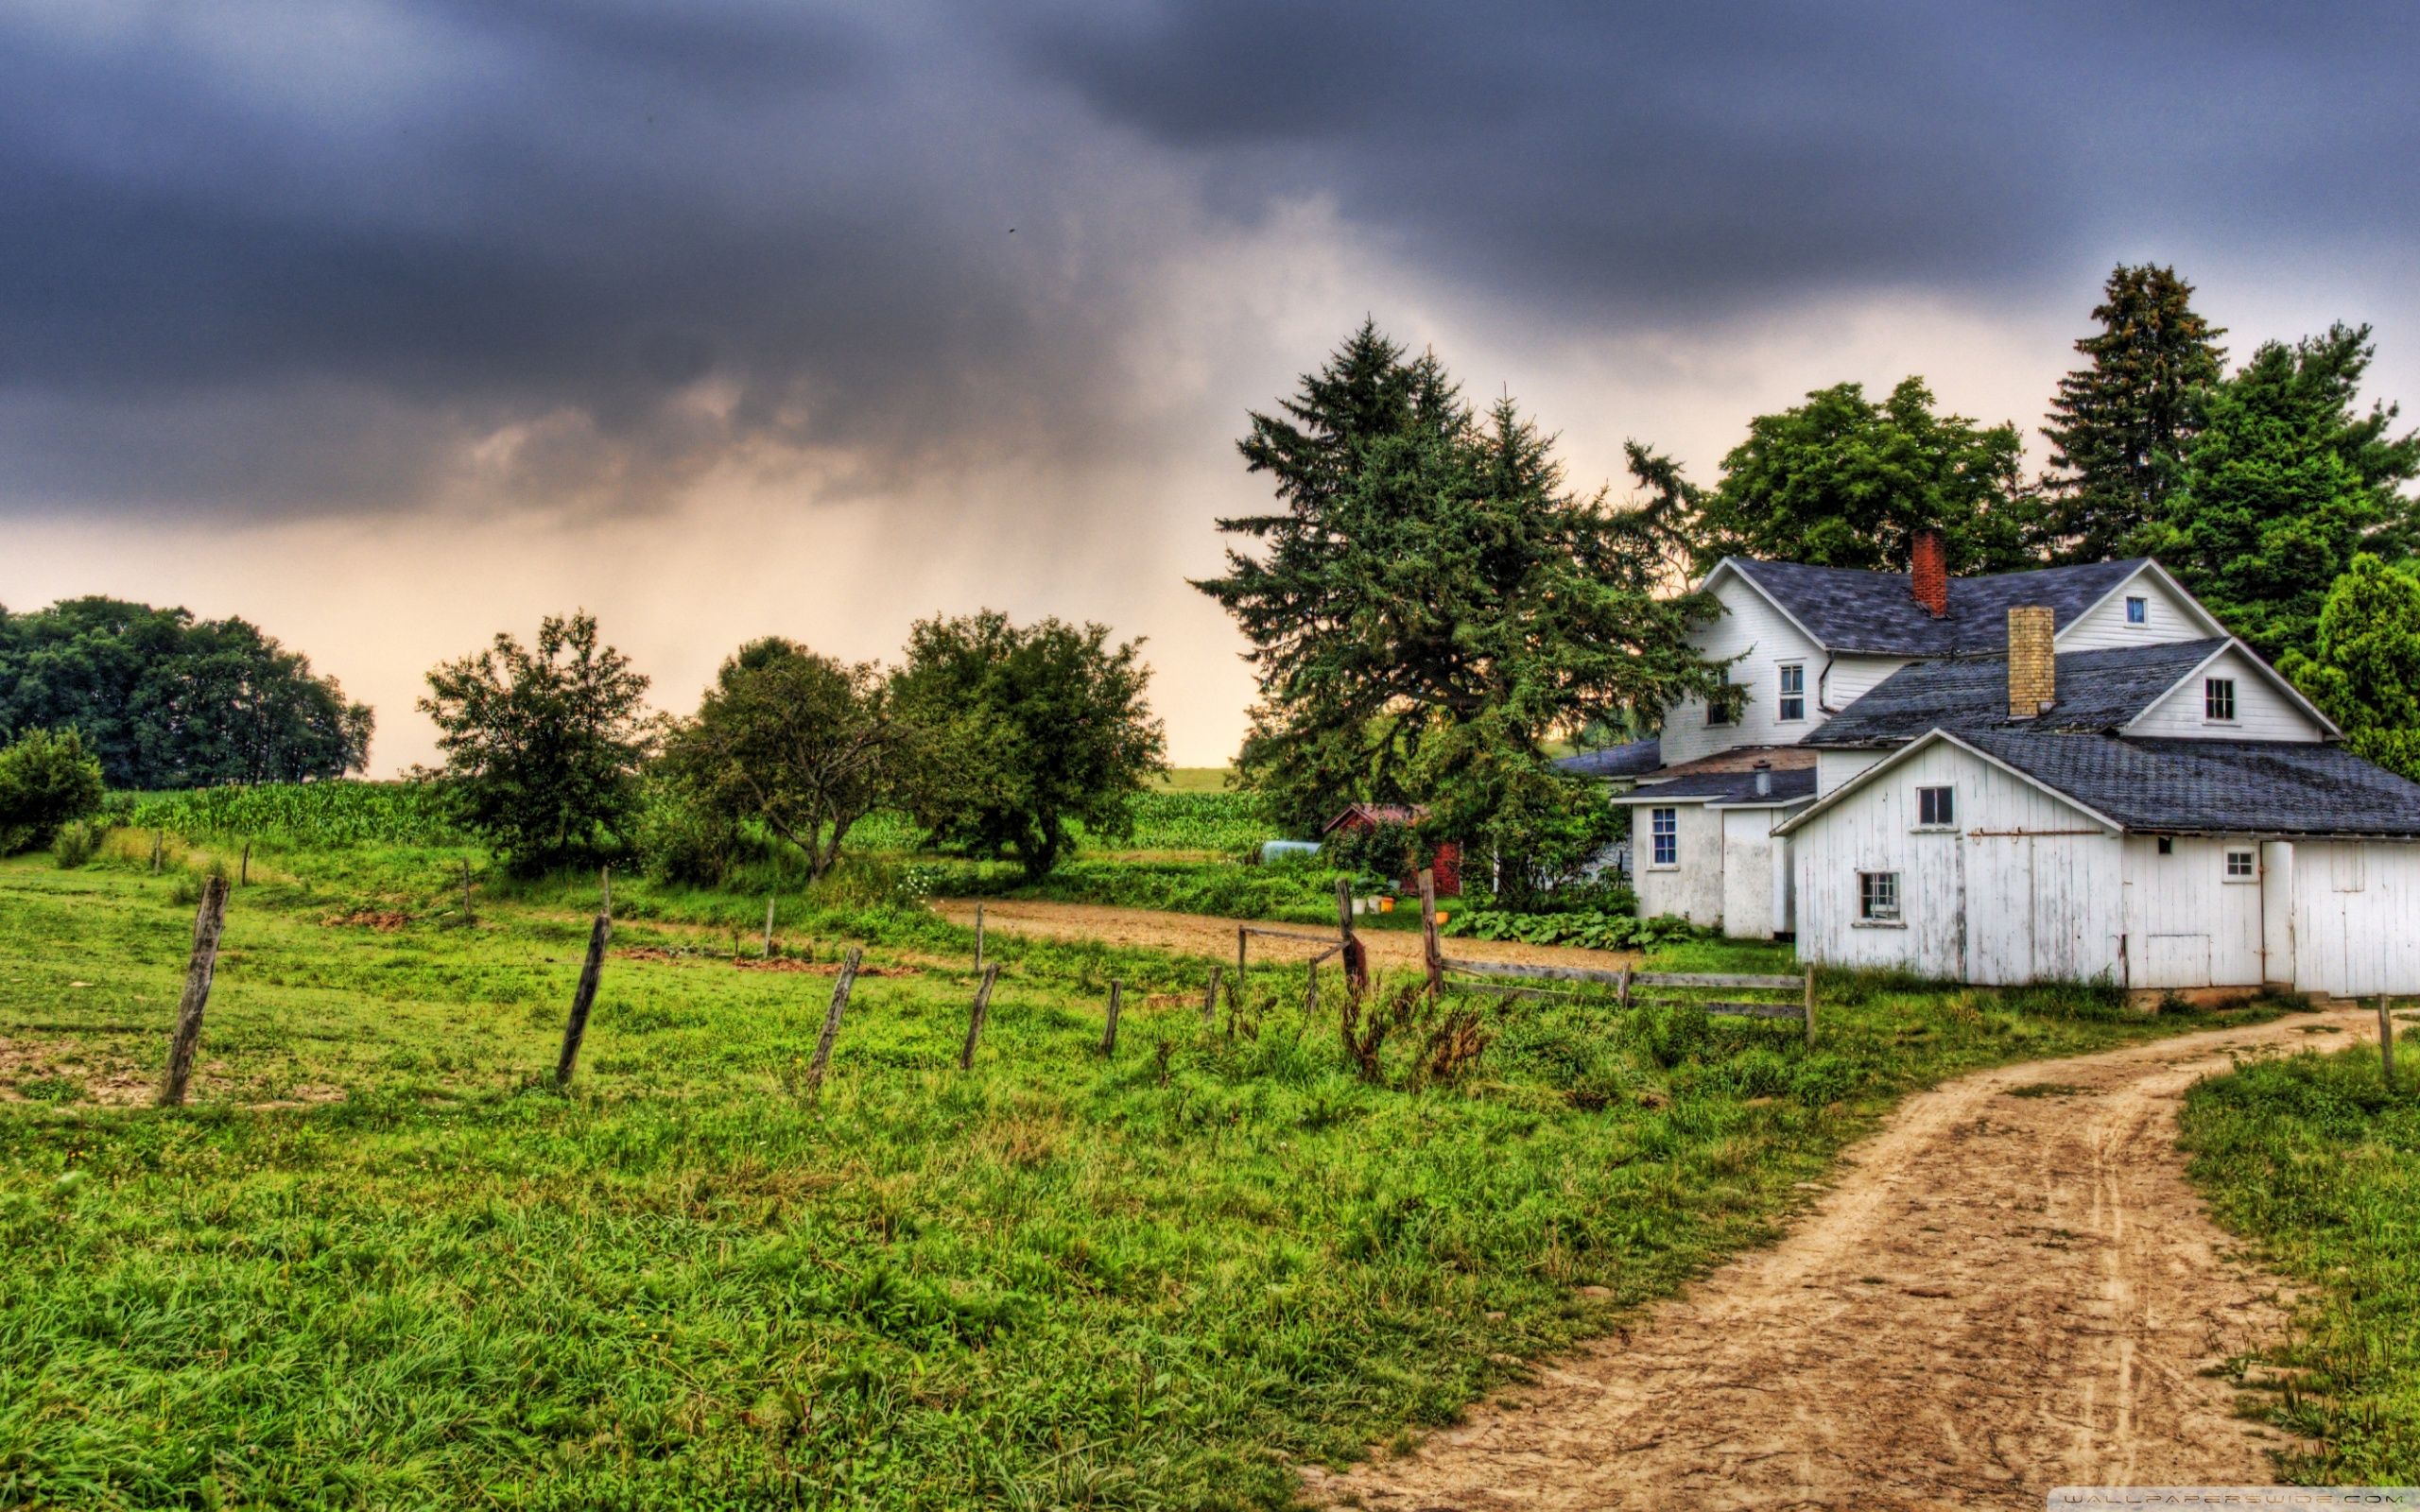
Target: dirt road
1203 935
2004 1293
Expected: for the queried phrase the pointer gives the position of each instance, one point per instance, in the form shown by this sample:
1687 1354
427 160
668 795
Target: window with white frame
2139 611
1664 837
1793 691
1936 807
1719 705
2218 701
2242 865
1877 897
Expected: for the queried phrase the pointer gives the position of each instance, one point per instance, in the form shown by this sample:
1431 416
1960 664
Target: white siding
1755 627
1750 896
1692 890
2025 888
2186 924
2261 711
1833 768
2356 916
1853 677
2168 619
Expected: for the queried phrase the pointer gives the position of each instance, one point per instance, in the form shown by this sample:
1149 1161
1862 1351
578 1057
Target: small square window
1936 807
1793 691
2139 611
2218 701
2242 865
1664 830
1878 895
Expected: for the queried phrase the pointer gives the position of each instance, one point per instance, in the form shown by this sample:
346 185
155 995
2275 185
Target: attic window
2241 865
1936 807
1793 691
2218 701
1722 706
2139 611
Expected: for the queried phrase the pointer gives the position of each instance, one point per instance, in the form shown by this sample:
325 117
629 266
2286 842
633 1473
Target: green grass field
2319 1166
381 1263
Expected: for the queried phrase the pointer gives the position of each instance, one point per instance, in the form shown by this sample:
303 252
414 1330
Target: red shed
1448 864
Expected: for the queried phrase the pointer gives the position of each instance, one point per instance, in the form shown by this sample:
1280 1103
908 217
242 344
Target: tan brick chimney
1928 570
2033 668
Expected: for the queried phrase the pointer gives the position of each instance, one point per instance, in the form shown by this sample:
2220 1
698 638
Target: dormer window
2139 611
2218 701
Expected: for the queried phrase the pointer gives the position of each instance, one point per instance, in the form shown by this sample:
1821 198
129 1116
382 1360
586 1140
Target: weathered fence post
244 874
1357 956
1242 980
769 929
975 1017
1210 999
1109 1031
1621 991
979 934
841 985
583 999
605 880
1431 952
159 839
1809 1006
468 918
2386 1043
198 971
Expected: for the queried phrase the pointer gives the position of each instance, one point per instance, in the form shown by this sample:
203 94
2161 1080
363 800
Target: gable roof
2102 689
2190 786
1732 789
1847 609
1377 813
1633 759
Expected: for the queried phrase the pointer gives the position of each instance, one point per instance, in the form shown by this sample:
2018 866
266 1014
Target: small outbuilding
1447 865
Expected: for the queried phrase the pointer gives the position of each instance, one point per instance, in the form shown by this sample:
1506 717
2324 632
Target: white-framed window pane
1718 708
2217 698
1877 895
1793 691
2138 611
2241 864
1936 806
1664 832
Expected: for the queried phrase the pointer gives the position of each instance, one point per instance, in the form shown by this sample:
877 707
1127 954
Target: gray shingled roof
2231 787
1853 611
1632 760
1790 785
2097 690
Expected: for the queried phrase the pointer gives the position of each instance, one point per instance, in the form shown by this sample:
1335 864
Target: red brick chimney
1928 570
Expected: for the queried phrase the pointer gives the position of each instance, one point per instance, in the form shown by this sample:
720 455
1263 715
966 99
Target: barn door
1999 909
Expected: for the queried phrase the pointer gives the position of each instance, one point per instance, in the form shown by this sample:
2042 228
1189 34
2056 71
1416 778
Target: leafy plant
46 780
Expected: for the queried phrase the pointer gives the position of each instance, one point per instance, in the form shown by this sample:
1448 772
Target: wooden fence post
605 879
159 839
975 1017
769 929
1809 1006
2386 1043
468 918
841 985
244 875
979 934
1621 991
1109 1031
198 971
1429 949
583 999
1357 956
1242 980
1210 999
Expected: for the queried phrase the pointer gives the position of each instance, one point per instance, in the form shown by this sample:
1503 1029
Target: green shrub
682 838
75 844
46 779
1592 931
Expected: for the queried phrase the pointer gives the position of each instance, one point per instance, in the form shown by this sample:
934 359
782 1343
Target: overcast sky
388 326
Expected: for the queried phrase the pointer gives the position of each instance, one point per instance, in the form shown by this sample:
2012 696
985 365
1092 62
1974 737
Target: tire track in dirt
2002 1294
1205 935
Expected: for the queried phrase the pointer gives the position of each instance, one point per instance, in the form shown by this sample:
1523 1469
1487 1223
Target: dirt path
2002 1295
1202 935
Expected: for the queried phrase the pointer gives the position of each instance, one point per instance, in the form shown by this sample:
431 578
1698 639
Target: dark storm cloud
278 256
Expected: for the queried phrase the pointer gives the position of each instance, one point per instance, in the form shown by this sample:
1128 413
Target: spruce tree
2121 424
1430 605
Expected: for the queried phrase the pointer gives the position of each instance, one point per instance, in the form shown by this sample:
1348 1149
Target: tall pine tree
2121 426
2284 483
1429 605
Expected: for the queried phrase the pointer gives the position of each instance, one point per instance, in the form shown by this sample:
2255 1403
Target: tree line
998 739
1428 605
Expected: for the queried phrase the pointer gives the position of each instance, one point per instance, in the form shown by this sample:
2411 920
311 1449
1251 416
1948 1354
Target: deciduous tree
543 743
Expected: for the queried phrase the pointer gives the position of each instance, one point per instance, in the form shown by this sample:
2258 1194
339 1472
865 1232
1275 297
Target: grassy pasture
379 1264
2319 1165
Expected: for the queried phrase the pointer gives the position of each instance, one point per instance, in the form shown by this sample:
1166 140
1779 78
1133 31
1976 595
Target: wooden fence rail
1624 981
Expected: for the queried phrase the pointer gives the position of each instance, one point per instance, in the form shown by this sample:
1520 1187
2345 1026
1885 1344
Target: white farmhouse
2059 775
